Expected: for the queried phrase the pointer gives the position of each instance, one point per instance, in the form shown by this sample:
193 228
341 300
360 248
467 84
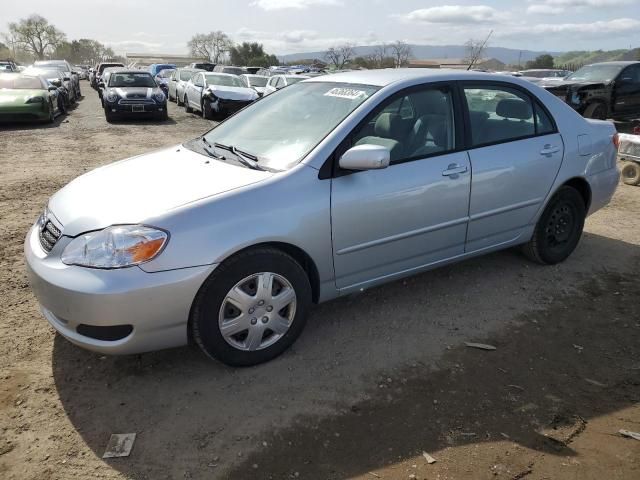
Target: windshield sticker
348 93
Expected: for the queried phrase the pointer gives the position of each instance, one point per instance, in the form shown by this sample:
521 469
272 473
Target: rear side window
498 114
544 124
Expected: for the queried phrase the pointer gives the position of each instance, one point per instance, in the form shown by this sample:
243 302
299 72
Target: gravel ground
374 381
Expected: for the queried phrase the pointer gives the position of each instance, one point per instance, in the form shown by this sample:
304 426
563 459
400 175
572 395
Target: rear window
258 81
20 83
107 65
185 76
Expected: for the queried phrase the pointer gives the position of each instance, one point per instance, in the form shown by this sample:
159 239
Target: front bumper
76 300
26 112
135 108
228 107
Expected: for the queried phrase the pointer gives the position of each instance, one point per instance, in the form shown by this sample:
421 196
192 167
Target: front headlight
111 97
159 96
35 100
115 247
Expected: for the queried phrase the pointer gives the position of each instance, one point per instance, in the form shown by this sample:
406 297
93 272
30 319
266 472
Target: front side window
185 75
631 75
198 81
280 130
498 114
412 126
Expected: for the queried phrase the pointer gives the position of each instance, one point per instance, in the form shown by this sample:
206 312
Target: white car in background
278 82
217 95
257 82
178 81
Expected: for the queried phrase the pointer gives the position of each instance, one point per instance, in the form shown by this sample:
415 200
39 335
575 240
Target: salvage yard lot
374 381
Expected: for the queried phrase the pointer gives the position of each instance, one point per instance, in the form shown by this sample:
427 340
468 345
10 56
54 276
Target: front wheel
631 173
187 108
559 229
597 111
206 110
252 308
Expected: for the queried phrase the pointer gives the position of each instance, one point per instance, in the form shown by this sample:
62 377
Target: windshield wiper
247 159
208 148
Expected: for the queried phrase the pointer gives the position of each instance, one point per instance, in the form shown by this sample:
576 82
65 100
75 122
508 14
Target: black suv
602 90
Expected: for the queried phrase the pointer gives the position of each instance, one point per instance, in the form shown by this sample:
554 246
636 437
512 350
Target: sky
293 26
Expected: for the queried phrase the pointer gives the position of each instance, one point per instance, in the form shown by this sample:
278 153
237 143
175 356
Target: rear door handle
454 170
549 150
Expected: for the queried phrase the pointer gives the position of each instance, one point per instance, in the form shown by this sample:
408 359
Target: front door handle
549 150
454 170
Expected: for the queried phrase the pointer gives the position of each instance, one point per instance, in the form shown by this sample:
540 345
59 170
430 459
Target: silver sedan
326 188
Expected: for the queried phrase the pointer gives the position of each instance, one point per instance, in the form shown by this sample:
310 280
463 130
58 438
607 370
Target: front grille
49 236
136 95
137 102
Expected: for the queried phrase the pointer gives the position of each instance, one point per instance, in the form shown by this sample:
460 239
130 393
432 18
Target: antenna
477 54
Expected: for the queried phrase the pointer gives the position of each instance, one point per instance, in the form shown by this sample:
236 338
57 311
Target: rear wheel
631 173
559 229
597 111
252 308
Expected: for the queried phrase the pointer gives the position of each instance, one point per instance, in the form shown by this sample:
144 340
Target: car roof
388 76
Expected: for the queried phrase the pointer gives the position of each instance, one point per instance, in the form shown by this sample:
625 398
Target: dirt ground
374 381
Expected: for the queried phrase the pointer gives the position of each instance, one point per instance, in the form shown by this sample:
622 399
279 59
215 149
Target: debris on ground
429 458
595 382
480 346
120 445
628 434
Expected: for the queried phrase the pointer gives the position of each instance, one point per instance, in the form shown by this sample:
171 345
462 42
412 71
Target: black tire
163 116
559 229
109 116
187 108
52 113
631 173
62 106
204 314
178 102
597 111
207 114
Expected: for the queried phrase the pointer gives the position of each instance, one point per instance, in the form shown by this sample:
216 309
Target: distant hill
586 57
420 52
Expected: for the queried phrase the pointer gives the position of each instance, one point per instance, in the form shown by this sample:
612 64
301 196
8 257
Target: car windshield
18 82
129 79
224 80
292 80
596 73
45 73
282 128
257 81
185 75
166 73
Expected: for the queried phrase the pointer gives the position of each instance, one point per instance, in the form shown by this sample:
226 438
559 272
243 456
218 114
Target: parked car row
38 92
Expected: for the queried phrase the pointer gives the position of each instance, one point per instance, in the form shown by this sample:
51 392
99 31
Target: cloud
616 27
452 14
559 6
293 4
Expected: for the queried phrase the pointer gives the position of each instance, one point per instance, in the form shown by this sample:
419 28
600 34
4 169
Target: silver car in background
278 82
326 188
178 81
257 82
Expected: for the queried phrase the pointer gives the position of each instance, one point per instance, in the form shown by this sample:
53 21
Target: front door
391 222
516 155
626 101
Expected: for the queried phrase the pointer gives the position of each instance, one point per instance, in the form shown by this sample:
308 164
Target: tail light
636 131
616 141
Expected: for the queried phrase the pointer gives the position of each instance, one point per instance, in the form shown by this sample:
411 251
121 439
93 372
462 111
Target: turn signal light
616 141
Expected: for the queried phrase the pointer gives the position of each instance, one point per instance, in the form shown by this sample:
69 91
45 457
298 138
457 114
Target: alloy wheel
257 312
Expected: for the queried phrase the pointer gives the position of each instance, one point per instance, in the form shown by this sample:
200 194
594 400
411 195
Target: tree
340 55
474 51
251 55
401 53
36 35
213 46
541 61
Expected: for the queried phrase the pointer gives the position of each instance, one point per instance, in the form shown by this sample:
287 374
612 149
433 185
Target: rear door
414 213
516 153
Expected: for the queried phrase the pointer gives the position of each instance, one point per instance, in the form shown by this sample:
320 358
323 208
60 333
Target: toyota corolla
325 188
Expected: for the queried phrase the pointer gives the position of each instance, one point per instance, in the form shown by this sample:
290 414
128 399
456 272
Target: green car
24 97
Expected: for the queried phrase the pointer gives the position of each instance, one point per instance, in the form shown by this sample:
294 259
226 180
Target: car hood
134 190
9 96
233 93
570 83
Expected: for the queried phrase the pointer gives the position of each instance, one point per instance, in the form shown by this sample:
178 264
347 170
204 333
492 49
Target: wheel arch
583 188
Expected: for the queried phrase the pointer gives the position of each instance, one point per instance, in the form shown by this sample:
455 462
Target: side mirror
366 157
52 88
66 79
101 84
56 83
74 73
